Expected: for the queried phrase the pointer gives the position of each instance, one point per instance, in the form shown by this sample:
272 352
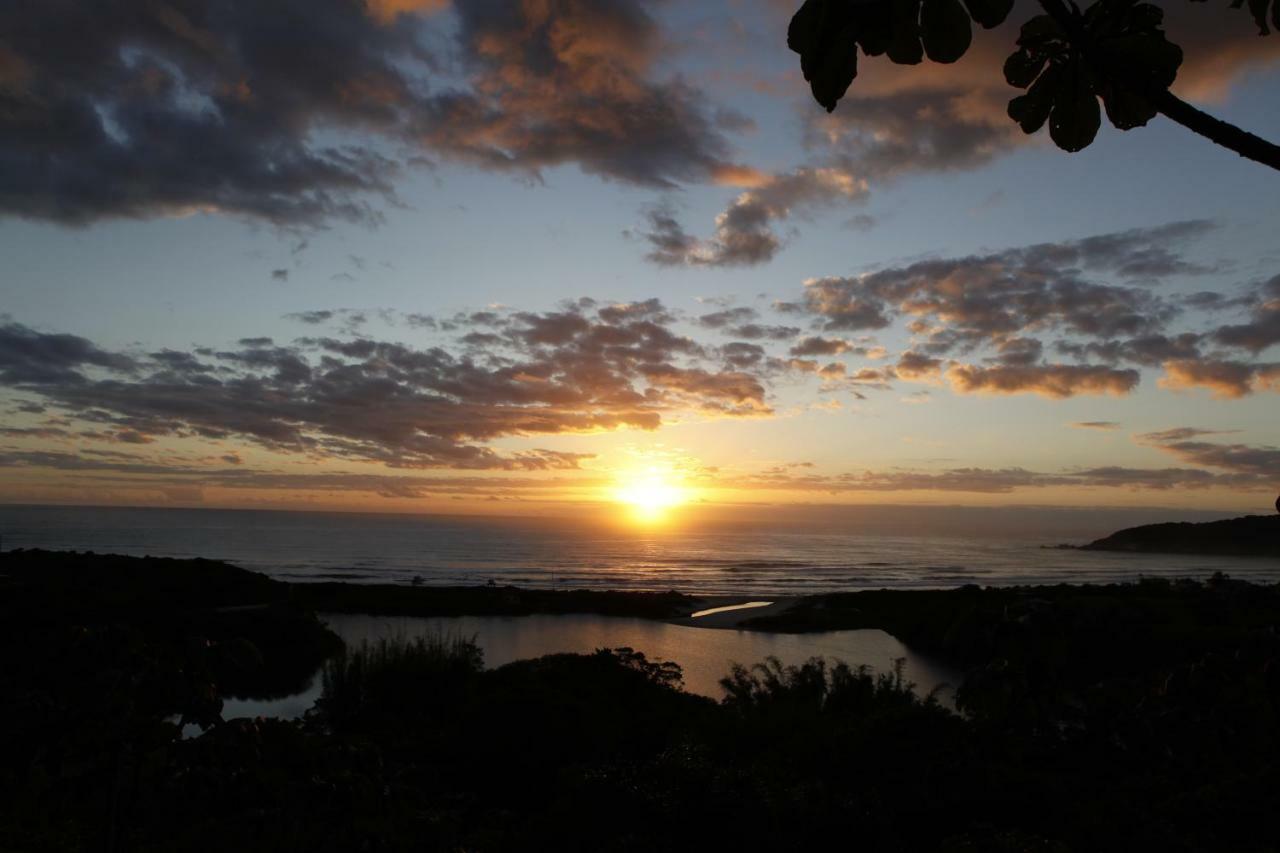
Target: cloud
141 109
1092 297
818 345
572 81
996 480
583 369
901 120
728 317
1225 379
745 231
298 112
1007 293
1148 350
1105 426
386 11
1263 329
1177 434
1056 381
128 472
917 367
898 120
28 357
1240 458
1247 460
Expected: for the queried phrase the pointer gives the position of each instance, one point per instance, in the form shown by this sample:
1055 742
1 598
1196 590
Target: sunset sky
515 257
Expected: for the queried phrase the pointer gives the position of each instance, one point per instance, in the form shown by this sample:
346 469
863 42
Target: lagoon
705 654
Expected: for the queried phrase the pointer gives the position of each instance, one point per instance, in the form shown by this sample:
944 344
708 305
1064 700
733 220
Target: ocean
933 547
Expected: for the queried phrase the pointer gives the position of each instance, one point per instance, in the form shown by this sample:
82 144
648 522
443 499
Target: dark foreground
1130 717
1248 536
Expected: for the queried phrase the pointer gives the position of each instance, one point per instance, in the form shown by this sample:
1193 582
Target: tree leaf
823 33
805 31
838 67
1037 29
1022 68
945 30
989 13
1125 110
1076 118
1148 57
873 21
904 22
1031 110
1258 8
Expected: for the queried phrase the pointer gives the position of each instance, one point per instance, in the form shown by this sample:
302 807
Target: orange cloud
1056 381
1224 379
737 175
386 11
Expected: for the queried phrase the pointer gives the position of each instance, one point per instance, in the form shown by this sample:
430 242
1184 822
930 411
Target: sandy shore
735 617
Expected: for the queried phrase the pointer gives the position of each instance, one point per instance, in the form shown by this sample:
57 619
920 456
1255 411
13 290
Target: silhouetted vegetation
1118 718
1067 60
393 600
1249 536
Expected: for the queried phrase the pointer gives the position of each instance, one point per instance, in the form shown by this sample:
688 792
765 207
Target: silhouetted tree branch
1066 60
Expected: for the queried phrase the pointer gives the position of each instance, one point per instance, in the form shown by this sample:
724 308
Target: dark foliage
1252 536
1067 60
1118 718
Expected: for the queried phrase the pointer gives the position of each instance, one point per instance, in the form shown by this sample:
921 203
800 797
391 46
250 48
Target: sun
650 492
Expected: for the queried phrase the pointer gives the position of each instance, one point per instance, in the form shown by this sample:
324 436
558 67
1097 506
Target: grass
395 676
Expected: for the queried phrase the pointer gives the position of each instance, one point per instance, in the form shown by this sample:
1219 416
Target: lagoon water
862 548
705 654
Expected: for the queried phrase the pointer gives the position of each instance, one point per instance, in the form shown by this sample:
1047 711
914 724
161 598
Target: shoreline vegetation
1248 536
1109 717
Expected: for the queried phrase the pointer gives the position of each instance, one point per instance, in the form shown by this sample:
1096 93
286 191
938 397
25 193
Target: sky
535 256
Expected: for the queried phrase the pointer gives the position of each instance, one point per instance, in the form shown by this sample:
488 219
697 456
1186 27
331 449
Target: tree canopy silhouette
1066 60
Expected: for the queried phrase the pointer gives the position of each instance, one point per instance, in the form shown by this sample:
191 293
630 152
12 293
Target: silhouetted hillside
1252 535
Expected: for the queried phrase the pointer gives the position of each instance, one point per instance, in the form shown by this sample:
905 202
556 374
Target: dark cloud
885 136
1224 378
759 332
28 357
280 275
742 355
132 471
572 81
745 232
1096 291
998 480
1165 436
917 366
818 345
1243 460
313 318
728 317
139 109
582 369
1056 381
1105 426
142 109
999 295
1147 350
1263 329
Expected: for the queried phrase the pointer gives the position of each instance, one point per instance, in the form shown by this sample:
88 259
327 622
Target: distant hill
1250 536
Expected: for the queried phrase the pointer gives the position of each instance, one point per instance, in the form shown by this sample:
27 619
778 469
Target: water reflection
704 654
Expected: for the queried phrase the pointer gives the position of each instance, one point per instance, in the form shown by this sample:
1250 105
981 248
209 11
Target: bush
395 678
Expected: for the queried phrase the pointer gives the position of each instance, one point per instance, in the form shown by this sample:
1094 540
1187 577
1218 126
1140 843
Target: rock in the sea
1250 536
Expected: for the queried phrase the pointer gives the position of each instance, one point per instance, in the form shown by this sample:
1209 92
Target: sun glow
650 492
